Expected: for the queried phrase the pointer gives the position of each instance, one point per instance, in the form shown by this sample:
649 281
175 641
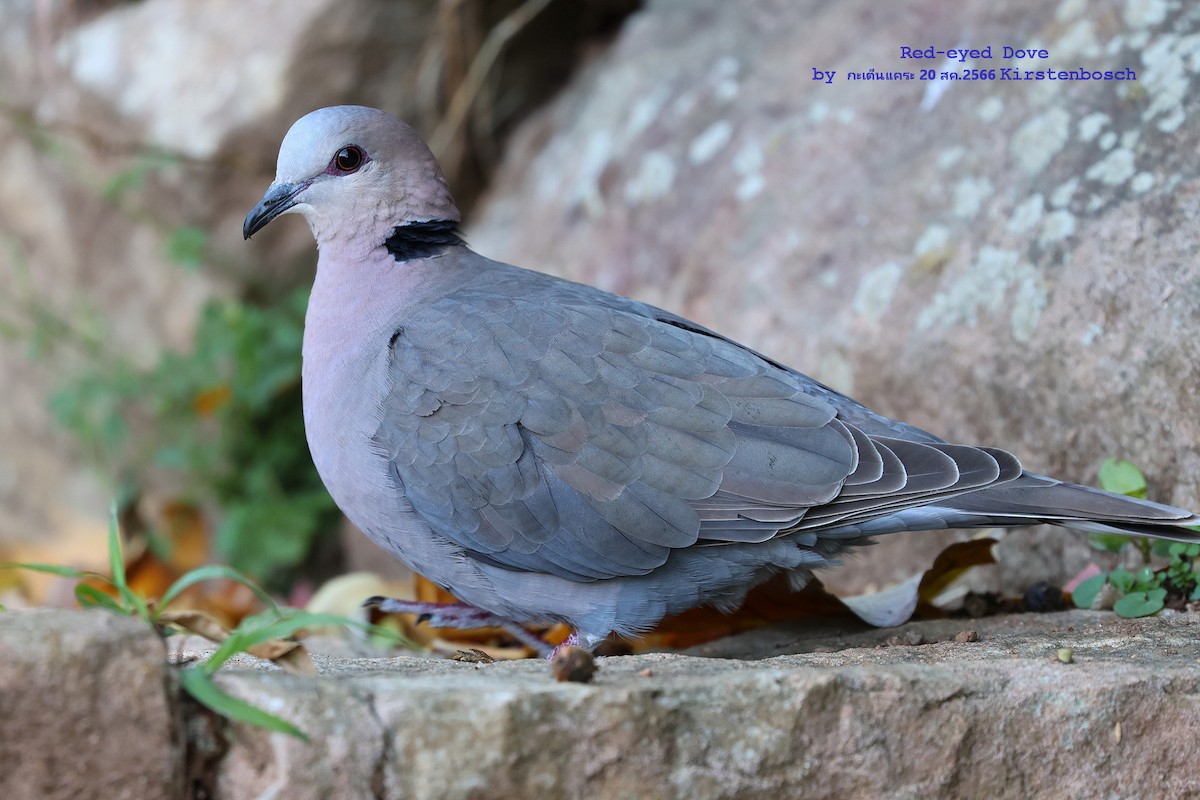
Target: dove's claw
459 615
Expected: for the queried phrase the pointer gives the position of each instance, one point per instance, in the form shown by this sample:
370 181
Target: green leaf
122 182
1122 579
1141 604
215 572
1146 579
269 534
241 639
1108 542
53 569
245 455
116 562
1085 593
1122 477
186 246
1173 549
200 686
89 596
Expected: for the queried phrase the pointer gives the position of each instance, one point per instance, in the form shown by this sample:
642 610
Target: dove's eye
347 160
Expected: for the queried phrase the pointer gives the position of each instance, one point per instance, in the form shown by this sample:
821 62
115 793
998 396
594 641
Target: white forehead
316 136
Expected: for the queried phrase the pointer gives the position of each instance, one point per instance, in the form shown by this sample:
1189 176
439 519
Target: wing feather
588 439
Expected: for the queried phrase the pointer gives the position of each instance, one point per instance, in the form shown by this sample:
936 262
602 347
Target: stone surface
87 709
996 718
1001 262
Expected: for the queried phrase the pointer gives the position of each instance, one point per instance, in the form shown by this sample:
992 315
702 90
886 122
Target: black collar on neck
422 239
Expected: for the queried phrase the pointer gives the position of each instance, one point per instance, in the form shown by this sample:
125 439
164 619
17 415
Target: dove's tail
1033 499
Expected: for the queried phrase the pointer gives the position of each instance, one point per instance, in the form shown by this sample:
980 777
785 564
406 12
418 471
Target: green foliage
134 176
186 246
197 681
1122 477
200 685
1085 593
1108 542
1144 592
227 416
1141 604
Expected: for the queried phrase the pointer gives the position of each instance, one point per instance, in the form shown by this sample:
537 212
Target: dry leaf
952 562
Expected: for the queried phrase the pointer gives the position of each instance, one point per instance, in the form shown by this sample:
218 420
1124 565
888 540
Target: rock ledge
830 716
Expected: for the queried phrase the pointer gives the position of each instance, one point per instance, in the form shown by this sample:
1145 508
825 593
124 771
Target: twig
485 59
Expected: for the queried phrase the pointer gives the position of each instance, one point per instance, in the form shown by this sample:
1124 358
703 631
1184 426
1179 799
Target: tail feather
1031 499
1034 498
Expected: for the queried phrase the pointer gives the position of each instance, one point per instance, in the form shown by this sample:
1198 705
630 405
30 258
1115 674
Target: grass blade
214 572
89 596
198 683
116 562
242 640
54 569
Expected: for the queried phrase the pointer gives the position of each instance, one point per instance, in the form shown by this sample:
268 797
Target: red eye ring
346 161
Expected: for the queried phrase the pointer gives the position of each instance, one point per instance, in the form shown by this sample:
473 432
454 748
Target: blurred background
1001 262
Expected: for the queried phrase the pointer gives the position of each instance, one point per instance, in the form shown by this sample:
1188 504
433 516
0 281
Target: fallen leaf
952 562
209 401
890 607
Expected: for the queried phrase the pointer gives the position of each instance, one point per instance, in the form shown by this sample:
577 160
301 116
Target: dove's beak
278 199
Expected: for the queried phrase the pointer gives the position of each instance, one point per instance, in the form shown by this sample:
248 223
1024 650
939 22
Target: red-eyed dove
547 451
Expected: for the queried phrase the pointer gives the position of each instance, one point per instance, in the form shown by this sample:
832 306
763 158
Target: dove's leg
572 640
459 615
586 641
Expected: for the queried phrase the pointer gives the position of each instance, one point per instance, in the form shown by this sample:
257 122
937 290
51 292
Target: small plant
1143 592
261 635
227 417
222 419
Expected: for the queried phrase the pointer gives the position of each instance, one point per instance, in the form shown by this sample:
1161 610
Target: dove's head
355 173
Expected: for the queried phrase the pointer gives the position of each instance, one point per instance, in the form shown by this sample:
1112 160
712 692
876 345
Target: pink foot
571 641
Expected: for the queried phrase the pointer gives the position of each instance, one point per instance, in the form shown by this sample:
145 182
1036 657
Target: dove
550 452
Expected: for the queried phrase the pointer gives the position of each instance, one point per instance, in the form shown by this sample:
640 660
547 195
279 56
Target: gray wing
587 440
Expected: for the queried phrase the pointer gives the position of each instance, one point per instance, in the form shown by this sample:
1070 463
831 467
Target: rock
87 709
938 721
1001 262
